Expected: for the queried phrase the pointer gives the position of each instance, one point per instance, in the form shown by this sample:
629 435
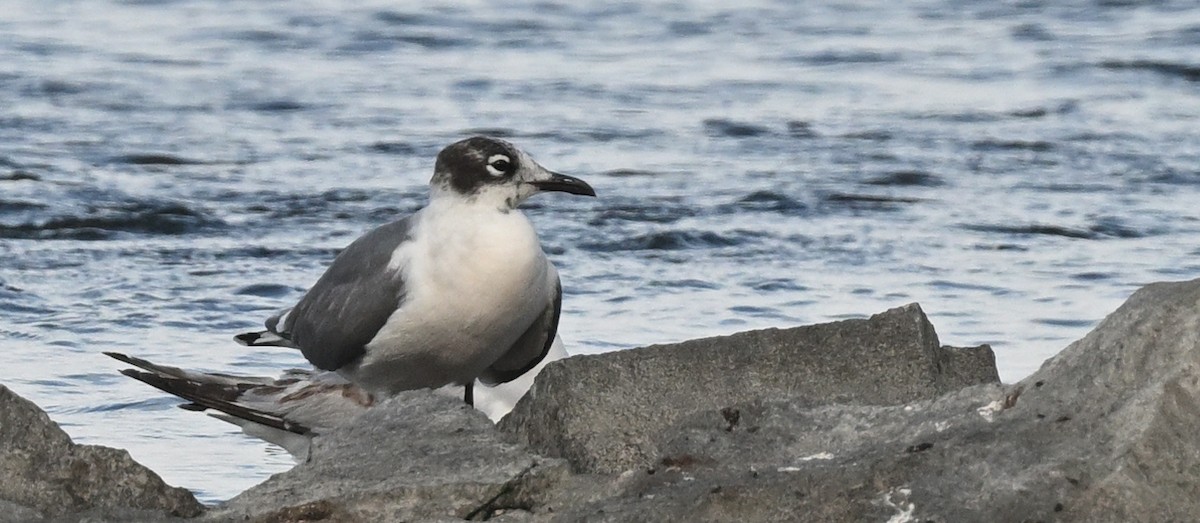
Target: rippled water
172 170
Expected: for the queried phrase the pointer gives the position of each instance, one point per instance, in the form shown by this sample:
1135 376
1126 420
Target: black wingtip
145 377
263 339
247 338
125 358
136 362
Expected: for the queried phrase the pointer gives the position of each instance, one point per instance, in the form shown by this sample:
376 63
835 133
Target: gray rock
784 461
43 474
10 511
1130 389
418 456
604 413
1108 430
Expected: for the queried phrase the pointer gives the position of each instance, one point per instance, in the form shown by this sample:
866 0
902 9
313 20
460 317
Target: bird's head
488 170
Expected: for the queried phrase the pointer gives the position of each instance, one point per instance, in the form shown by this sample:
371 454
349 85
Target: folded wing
533 345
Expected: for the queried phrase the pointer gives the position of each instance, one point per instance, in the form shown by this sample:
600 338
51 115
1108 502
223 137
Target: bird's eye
499 165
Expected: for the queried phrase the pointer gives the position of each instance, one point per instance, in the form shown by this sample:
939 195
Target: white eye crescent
499 165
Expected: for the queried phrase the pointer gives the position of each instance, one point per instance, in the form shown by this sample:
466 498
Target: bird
456 293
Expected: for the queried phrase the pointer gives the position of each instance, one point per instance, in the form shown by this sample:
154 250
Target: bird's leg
469 394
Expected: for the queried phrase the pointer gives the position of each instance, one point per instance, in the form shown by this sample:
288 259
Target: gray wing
344 310
532 346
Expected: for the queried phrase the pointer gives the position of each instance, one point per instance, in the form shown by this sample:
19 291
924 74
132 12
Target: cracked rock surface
605 413
417 456
1107 430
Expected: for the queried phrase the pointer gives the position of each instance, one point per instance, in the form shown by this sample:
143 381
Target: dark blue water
171 171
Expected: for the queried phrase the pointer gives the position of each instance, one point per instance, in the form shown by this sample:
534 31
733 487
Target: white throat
502 198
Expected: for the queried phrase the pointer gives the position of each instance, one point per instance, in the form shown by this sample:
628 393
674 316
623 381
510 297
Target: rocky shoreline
857 420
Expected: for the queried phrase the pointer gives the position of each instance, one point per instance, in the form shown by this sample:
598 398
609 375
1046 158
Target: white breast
475 279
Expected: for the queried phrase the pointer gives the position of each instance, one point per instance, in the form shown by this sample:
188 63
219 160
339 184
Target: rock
1130 389
961 367
10 511
787 461
43 474
604 413
1106 431
417 456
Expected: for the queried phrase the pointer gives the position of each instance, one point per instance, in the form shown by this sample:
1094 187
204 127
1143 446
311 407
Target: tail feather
286 410
297 445
214 396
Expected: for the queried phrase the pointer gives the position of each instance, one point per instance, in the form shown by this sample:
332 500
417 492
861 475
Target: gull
456 293
459 291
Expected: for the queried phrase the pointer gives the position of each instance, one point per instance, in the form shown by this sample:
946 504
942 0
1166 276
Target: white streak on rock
989 411
904 508
819 455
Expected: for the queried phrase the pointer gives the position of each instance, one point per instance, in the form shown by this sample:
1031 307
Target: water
171 171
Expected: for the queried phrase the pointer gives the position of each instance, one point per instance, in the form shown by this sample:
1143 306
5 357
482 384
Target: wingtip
135 374
263 339
132 360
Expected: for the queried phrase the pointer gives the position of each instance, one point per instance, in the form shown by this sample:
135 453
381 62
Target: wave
113 220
